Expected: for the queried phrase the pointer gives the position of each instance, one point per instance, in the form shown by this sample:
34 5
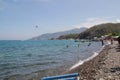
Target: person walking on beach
111 40
102 42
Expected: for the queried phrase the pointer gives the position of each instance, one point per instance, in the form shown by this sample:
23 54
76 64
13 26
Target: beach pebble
101 79
109 77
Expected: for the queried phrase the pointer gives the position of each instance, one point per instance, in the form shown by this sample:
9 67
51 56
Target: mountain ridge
101 30
57 34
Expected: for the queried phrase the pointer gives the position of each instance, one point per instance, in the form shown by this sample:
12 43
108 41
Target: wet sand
105 66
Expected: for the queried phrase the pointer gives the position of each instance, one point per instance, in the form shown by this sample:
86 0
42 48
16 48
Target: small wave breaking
85 60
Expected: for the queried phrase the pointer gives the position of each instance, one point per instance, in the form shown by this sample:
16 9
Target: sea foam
85 60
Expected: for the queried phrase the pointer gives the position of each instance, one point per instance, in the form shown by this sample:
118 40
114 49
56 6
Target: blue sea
26 57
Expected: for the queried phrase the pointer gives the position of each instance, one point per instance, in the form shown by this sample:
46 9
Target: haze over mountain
111 29
57 34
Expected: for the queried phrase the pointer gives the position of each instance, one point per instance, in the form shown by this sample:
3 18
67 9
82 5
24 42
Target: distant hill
57 34
100 30
68 36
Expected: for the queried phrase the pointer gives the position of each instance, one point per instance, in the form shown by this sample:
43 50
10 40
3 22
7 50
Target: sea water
26 57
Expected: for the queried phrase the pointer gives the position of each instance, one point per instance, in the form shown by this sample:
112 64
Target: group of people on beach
102 42
119 40
110 41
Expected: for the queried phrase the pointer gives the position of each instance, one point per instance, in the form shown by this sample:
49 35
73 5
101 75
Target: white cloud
95 21
118 20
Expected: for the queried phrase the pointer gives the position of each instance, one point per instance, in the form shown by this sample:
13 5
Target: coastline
86 68
102 67
89 58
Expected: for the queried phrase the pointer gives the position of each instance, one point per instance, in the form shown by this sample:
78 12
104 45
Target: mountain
68 36
100 30
57 34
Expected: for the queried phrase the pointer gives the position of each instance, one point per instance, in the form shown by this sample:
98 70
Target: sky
24 19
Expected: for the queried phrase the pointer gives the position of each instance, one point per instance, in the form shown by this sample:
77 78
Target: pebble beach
105 66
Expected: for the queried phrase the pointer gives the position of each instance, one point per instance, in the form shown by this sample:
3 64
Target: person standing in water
89 44
78 45
67 46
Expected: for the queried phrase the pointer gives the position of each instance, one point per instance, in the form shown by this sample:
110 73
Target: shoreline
95 69
87 69
67 68
81 62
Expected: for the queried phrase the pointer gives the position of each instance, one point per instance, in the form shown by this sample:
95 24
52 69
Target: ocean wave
89 58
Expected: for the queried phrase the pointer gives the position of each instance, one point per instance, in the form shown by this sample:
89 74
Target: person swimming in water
67 46
89 44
